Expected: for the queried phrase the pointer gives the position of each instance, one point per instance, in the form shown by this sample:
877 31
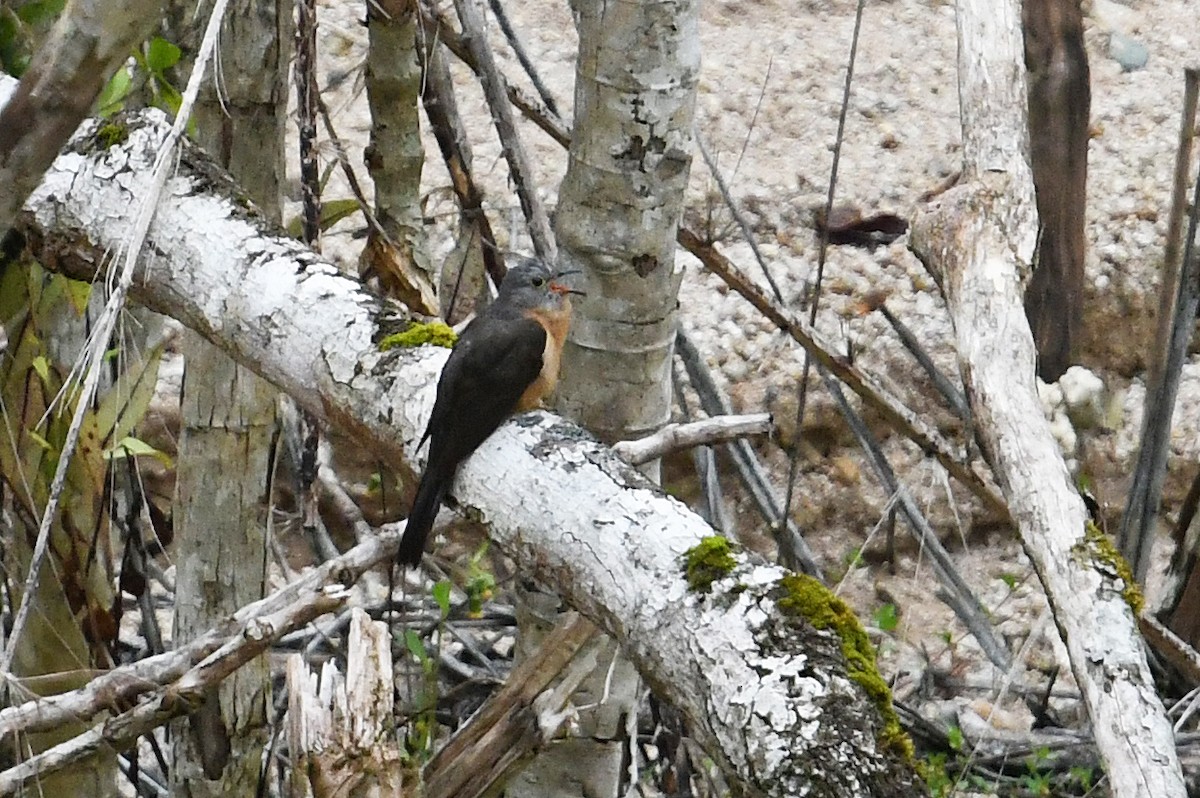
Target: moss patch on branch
805 597
706 562
1099 549
434 333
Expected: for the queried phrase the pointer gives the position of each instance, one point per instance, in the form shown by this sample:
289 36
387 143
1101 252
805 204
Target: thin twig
953 394
713 510
794 550
306 117
523 57
519 166
441 108
1136 525
902 419
738 216
957 593
813 301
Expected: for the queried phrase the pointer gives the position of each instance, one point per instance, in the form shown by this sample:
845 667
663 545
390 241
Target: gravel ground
773 75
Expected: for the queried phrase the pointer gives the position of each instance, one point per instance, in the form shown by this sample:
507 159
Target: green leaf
115 92
79 292
415 646
441 594
161 55
167 97
123 406
39 440
955 737
135 447
14 43
334 211
1009 579
44 12
42 367
886 617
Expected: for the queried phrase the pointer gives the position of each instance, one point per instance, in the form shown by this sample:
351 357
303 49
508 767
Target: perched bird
505 362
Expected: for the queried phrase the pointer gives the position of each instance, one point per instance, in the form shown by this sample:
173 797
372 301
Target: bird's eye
538 282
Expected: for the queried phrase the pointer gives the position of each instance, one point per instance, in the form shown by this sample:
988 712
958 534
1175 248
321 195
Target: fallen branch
977 238
677 437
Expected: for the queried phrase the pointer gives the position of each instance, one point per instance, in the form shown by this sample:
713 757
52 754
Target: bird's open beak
562 288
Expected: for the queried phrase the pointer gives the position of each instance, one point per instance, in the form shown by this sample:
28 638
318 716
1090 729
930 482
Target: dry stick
122 685
1136 535
1172 246
183 696
958 595
823 249
903 420
441 108
793 549
713 510
953 394
339 150
677 437
506 728
533 109
738 216
494 87
522 56
306 93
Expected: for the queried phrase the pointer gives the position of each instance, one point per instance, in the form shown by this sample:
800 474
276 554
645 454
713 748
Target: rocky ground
773 75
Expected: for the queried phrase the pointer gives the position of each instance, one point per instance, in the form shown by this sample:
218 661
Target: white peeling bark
767 695
339 726
979 239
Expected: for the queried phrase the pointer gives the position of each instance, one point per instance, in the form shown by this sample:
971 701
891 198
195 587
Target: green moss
435 333
1100 549
707 561
807 598
110 134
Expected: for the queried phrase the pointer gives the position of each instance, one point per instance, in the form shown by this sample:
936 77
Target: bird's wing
492 364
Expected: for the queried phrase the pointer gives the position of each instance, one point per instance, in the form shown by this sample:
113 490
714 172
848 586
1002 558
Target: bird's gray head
531 284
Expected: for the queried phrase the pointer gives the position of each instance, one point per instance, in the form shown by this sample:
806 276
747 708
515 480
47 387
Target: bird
506 361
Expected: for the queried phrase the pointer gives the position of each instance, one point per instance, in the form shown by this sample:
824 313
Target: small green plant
932 770
480 584
886 618
151 64
1084 777
954 737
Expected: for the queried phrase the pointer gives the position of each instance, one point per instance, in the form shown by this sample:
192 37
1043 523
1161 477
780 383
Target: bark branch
979 237
88 43
768 693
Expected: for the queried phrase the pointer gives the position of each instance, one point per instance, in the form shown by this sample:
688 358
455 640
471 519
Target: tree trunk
1059 104
396 255
770 672
619 205
222 482
976 239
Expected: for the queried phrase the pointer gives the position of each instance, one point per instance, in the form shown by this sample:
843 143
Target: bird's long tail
425 507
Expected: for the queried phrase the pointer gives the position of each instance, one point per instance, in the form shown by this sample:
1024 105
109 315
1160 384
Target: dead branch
677 437
495 90
979 237
120 686
181 697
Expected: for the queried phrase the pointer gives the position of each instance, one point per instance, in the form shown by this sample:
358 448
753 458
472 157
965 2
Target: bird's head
531 284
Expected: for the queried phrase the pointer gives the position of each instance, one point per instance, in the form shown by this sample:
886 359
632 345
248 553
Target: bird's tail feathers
425 508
